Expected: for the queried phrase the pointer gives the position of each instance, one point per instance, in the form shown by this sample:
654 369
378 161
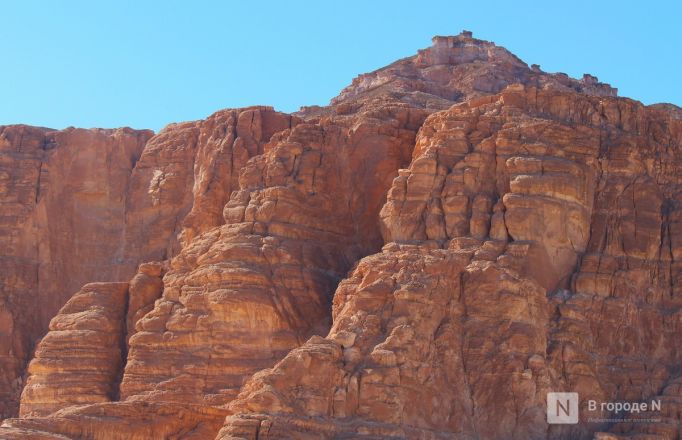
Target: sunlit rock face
240 296
62 219
520 260
457 68
89 205
79 359
454 237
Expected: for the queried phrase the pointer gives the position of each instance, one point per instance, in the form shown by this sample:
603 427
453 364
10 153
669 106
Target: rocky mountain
453 237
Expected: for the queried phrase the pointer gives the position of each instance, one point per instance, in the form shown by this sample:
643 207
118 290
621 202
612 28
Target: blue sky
147 63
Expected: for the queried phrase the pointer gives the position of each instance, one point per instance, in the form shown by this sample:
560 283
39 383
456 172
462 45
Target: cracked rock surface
454 236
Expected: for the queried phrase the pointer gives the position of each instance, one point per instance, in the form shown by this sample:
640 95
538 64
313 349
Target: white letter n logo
562 408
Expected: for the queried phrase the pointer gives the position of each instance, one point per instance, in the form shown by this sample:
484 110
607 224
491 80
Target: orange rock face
520 273
90 205
454 237
62 204
79 359
242 295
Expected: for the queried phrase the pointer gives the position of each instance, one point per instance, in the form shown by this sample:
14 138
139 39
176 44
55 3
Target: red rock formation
455 69
62 210
239 297
90 205
244 294
520 242
80 358
185 176
507 199
144 289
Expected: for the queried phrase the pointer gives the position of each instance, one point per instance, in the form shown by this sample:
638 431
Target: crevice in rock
123 349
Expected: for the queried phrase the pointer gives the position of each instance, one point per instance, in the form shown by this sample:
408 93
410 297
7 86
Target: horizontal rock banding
468 232
79 360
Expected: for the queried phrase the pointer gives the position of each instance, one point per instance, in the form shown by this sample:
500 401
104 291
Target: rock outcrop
531 252
240 296
185 176
62 211
81 206
455 69
80 358
456 235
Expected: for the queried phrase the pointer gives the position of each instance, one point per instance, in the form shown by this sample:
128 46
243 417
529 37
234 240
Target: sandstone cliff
530 251
454 236
90 205
62 199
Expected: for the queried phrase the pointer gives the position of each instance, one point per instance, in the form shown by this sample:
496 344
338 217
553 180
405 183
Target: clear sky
147 63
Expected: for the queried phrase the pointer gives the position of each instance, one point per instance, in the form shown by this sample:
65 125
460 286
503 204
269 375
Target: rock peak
453 69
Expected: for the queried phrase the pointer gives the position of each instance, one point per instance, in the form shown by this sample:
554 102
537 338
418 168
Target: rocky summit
454 237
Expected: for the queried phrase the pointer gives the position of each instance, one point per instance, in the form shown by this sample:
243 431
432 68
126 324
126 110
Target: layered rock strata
80 358
90 205
240 296
462 261
525 259
62 210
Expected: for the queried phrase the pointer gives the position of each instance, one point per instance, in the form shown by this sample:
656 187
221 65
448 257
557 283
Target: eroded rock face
120 421
240 296
80 358
185 176
454 69
62 210
405 357
90 205
485 170
244 294
144 289
524 262
462 261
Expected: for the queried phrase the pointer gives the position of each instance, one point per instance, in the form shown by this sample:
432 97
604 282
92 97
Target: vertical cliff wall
63 205
532 249
456 235
90 205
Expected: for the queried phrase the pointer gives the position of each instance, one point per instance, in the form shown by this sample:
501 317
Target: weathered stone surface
437 335
532 253
80 359
144 289
453 69
90 205
462 261
62 211
489 168
663 424
185 176
119 421
239 297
